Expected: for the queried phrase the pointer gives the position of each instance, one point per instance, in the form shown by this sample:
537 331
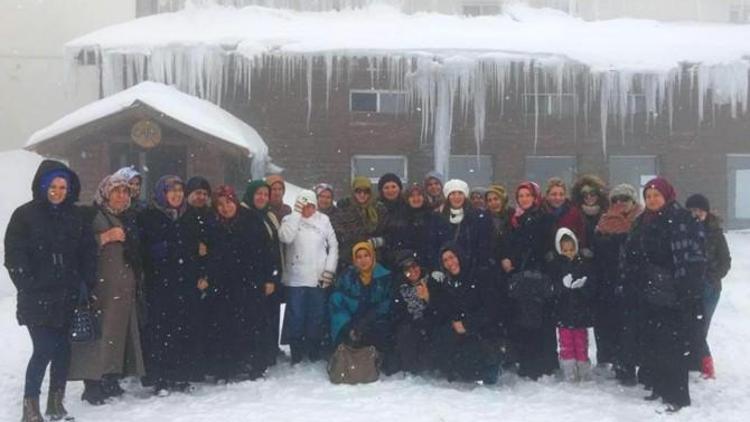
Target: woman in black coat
469 344
523 258
665 258
50 253
172 270
238 271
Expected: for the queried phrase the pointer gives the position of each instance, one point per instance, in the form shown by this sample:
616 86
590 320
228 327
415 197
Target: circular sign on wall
146 133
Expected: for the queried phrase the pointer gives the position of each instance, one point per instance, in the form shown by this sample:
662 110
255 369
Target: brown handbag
354 365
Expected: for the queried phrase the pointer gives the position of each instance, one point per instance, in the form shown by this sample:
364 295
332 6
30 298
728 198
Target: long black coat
475 237
239 266
172 267
421 231
49 252
528 242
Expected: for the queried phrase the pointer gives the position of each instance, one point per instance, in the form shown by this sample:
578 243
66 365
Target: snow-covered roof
187 109
624 44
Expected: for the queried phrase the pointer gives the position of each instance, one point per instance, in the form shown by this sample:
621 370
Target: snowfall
303 393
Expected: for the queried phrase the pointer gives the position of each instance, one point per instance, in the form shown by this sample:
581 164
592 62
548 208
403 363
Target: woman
433 186
470 229
468 345
527 244
324 192
135 179
240 274
665 255
394 220
360 219
719 261
171 247
417 310
276 198
312 254
423 230
256 199
564 212
360 302
117 353
615 303
590 197
49 253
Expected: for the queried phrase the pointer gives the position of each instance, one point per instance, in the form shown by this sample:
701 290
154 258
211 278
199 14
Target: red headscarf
664 187
224 191
536 191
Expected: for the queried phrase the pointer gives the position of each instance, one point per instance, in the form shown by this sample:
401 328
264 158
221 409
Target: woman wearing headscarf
239 269
256 200
615 302
423 232
563 211
117 352
665 256
171 250
276 204
527 244
49 252
394 220
468 345
326 205
135 181
360 302
359 219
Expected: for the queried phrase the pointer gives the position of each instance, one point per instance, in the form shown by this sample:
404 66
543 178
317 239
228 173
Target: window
385 102
739 12
476 8
540 168
738 192
476 170
374 166
635 170
559 105
567 6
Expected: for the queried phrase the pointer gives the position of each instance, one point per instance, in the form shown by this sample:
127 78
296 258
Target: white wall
32 34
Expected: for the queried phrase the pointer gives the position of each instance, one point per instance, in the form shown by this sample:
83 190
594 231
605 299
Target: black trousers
665 349
51 346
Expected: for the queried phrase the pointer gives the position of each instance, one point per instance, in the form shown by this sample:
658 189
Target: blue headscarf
164 185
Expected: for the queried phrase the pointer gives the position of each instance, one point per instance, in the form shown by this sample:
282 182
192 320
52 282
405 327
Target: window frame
354 157
378 102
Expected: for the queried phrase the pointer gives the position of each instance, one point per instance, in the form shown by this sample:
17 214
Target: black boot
297 350
31 412
92 393
55 409
111 387
313 350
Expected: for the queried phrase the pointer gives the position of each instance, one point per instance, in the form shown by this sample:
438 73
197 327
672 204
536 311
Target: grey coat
118 349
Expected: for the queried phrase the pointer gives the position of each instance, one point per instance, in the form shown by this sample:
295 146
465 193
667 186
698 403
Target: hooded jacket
311 249
574 285
50 250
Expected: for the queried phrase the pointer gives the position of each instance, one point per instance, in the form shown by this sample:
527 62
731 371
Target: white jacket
311 249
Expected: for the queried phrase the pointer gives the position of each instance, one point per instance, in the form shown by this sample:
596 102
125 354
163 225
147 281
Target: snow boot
31 412
707 368
92 393
111 386
55 409
490 374
297 349
313 350
568 367
583 370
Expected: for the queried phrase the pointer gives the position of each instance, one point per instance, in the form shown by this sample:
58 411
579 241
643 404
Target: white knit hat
455 185
307 196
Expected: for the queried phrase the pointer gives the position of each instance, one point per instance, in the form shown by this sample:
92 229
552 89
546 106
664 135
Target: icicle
310 61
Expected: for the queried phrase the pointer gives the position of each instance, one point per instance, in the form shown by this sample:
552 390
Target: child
572 276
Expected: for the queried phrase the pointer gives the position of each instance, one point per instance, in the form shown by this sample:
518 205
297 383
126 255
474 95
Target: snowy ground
303 393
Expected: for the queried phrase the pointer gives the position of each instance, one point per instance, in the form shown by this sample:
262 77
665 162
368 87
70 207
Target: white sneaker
568 367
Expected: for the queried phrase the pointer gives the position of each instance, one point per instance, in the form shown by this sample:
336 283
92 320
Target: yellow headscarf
364 274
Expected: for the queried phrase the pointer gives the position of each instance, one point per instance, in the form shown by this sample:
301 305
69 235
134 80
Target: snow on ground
303 393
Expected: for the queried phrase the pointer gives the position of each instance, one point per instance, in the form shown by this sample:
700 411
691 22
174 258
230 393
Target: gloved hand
438 276
579 283
376 242
325 280
568 281
299 204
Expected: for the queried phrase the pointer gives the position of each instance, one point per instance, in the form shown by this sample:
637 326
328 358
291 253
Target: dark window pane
364 101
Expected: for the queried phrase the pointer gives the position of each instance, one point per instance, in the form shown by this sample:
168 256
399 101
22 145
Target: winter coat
311 249
527 244
352 304
569 216
350 227
472 301
423 231
408 308
718 259
172 267
574 307
118 350
49 252
474 236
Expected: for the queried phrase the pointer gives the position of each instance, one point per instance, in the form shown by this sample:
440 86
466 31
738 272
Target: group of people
441 279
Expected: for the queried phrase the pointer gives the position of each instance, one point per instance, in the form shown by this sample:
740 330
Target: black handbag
84 326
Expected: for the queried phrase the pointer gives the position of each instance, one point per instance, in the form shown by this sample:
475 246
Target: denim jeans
711 295
305 311
51 345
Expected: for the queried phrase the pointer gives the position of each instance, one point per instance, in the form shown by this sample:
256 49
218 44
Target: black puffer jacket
49 251
574 307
